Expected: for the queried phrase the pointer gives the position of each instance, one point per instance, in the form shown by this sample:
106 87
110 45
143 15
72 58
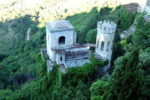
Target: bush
139 20
91 36
126 19
98 88
5 93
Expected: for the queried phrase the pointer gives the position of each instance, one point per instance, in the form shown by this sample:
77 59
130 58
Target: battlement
106 26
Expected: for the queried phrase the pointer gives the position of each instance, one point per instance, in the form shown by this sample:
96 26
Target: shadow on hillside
20 59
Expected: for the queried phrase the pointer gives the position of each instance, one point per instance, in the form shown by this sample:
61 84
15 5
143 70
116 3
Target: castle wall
48 42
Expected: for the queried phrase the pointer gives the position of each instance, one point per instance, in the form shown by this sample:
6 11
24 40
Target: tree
91 36
146 88
80 96
144 58
126 82
5 73
2 56
5 93
82 92
142 35
126 19
98 89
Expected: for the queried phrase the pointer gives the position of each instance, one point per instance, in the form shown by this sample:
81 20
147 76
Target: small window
61 58
62 40
102 45
108 43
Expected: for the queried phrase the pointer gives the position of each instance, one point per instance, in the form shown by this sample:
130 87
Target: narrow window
97 44
61 58
102 45
61 40
108 43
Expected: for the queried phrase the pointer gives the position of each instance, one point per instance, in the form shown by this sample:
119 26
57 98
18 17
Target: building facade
61 44
62 48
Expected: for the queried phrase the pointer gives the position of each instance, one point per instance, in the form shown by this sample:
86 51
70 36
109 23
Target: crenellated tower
104 40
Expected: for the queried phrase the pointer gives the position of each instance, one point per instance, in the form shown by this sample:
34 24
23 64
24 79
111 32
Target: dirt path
28 34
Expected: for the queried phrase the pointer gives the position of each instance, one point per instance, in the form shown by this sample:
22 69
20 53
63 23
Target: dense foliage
23 71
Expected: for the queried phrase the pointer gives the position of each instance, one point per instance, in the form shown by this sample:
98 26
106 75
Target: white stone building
63 50
61 45
104 40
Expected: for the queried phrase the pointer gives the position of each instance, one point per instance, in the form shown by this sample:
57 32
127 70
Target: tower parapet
106 27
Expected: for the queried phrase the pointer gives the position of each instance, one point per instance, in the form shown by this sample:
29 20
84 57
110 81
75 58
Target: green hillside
23 72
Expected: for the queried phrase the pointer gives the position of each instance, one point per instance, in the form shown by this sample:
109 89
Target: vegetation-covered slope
23 73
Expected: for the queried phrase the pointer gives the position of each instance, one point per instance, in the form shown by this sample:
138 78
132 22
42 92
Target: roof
77 49
59 25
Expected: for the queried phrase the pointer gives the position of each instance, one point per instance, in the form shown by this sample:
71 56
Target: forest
23 70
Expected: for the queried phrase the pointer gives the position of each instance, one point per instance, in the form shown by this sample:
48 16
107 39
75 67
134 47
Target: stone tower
59 35
104 40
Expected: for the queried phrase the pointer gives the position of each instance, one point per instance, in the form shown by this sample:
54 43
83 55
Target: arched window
102 45
97 43
61 40
108 43
61 58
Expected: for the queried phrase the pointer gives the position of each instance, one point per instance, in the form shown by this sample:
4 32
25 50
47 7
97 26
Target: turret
106 27
104 40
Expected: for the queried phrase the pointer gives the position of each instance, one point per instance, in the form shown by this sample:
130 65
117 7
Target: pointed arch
61 58
102 45
108 44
